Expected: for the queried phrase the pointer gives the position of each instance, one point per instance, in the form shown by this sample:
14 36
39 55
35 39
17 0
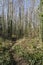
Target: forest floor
24 51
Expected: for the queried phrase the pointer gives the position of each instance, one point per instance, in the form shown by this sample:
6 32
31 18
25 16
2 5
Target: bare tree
31 9
10 17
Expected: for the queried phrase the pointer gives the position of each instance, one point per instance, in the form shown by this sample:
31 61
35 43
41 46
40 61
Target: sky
26 4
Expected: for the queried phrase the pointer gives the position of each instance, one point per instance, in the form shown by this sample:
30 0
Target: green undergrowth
34 58
30 50
4 53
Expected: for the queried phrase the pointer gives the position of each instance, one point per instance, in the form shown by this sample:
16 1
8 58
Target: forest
21 32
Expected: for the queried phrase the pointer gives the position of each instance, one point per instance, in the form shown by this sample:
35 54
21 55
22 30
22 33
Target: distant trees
20 23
